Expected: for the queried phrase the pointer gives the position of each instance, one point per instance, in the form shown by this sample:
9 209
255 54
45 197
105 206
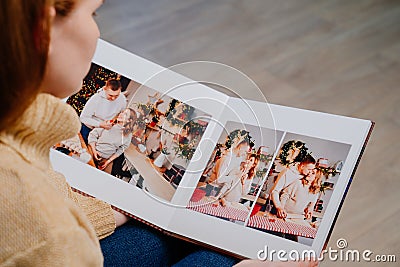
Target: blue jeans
203 257
136 244
85 132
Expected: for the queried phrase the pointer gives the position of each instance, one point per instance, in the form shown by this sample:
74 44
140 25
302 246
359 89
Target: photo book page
234 174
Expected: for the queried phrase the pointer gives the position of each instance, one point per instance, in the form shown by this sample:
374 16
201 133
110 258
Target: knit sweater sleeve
64 247
277 188
99 213
40 227
288 193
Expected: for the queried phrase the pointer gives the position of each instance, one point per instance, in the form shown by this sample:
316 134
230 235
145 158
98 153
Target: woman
48 50
44 223
298 198
238 183
107 145
230 160
288 176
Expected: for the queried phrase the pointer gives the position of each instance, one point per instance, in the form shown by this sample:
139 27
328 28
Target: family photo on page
272 181
135 133
200 161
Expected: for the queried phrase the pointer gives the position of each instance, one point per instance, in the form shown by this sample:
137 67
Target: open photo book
232 174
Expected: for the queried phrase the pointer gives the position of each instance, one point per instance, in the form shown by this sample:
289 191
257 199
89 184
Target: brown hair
25 29
315 186
114 84
308 159
64 7
130 122
252 171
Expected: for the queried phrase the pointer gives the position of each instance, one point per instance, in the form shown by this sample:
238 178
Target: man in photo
102 107
299 197
288 176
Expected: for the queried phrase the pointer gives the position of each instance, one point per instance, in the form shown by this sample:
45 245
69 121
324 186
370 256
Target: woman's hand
96 155
307 213
106 125
120 218
105 164
281 213
257 263
242 179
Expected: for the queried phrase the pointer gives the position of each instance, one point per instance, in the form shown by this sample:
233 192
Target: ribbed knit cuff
99 213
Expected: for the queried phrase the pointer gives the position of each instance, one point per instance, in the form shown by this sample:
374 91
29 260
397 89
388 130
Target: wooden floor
334 56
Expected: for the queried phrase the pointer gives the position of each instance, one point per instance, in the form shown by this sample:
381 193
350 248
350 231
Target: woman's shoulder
41 221
21 178
35 209
12 160
24 200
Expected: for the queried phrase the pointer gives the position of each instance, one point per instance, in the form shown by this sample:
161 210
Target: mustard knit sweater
43 222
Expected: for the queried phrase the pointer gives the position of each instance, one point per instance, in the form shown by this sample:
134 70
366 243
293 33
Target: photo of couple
133 132
269 180
280 188
235 172
299 185
106 121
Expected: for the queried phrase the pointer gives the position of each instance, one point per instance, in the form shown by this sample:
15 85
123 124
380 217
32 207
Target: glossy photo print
298 188
235 172
134 132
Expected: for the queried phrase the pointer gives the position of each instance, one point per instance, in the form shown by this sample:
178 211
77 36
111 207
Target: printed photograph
134 132
294 197
235 172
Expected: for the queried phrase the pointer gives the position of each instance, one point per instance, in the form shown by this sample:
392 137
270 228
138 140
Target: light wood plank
334 56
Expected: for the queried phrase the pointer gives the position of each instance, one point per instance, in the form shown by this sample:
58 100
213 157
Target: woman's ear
52 12
52 15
